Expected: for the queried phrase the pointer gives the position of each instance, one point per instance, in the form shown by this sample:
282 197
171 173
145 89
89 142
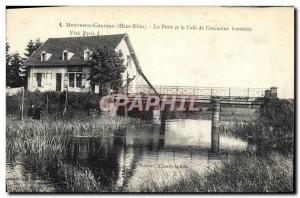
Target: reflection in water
128 157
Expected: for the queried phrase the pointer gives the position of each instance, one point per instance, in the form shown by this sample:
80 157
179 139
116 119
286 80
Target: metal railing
199 91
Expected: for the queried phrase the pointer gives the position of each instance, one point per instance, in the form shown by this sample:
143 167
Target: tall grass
240 174
40 136
71 178
273 129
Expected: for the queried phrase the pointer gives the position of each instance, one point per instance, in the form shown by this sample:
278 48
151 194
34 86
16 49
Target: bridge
198 91
226 95
216 96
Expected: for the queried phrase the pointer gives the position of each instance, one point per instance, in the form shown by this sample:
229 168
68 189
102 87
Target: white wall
49 79
131 67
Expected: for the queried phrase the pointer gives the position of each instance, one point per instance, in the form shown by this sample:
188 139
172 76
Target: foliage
76 102
50 136
7 54
107 68
13 79
273 129
32 46
45 143
277 115
14 64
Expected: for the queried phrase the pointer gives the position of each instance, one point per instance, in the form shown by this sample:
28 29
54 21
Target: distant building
61 63
271 93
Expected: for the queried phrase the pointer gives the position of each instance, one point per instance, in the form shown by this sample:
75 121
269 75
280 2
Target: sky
181 45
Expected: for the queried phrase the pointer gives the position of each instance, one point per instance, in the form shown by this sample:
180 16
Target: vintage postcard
150 99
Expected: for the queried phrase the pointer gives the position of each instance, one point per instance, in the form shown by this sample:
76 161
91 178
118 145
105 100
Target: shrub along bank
53 103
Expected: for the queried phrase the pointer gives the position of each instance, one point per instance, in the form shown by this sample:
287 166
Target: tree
7 54
32 46
8 57
13 78
107 68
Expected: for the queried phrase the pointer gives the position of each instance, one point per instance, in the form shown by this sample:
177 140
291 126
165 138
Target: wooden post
215 133
22 107
47 104
66 102
156 115
126 108
162 123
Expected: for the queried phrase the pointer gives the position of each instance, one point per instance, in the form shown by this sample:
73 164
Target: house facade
61 63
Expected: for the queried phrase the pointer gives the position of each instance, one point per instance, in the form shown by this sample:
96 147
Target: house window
43 56
71 79
39 79
128 60
78 79
65 55
75 76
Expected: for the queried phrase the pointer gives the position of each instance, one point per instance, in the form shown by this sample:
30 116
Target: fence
52 103
13 91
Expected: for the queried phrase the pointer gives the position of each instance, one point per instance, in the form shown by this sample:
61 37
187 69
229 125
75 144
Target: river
128 158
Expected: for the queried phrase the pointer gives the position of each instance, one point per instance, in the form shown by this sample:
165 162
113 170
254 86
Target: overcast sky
262 57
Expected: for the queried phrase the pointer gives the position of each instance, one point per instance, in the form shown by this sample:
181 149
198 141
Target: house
61 63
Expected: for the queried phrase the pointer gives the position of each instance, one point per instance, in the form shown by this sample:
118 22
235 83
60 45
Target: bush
76 102
273 129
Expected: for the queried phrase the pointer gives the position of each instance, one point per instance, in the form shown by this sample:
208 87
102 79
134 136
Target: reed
240 174
70 179
40 136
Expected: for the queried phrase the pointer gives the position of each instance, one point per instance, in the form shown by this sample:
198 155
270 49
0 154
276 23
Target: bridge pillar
215 124
156 115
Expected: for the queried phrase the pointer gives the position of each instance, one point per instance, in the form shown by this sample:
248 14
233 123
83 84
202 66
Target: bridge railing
198 91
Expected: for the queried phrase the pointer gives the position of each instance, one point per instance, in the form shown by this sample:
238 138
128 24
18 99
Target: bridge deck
202 94
199 91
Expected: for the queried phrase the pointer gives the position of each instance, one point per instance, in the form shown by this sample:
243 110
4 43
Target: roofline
33 53
131 50
124 35
136 62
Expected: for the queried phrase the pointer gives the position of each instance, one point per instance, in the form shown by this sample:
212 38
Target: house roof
76 45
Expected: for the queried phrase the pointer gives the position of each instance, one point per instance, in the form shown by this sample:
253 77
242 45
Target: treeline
16 75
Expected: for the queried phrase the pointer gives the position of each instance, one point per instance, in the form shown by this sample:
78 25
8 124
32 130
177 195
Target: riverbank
103 154
269 169
50 135
30 144
243 173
